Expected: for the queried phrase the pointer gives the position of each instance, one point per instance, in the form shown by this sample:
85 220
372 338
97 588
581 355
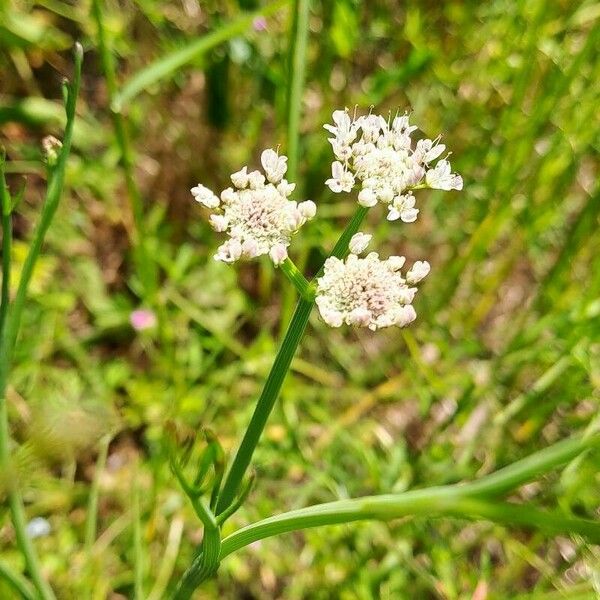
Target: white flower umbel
256 213
382 157
367 292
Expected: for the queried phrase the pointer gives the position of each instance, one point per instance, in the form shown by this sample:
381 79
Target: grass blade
166 66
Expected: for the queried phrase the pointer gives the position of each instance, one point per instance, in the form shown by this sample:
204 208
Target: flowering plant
379 157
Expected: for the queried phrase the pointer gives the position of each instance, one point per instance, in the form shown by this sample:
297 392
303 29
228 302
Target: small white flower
406 315
308 209
219 222
250 248
228 196
205 196
256 180
285 188
441 178
344 129
240 178
229 251
38 527
419 271
428 150
403 207
396 262
359 242
274 165
365 292
341 180
278 254
367 197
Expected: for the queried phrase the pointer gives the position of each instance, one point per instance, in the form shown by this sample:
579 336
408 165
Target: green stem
17 582
203 566
296 77
304 287
5 204
533 466
430 502
91 522
145 264
341 249
298 44
8 335
138 566
265 404
470 500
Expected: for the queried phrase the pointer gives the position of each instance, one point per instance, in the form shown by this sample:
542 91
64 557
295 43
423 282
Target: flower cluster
383 158
256 213
368 292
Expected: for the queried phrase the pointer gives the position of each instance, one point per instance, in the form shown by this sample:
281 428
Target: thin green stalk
469 501
533 466
265 404
171 63
430 502
297 71
165 570
138 561
8 335
146 265
5 203
91 522
302 285
17 582
296 77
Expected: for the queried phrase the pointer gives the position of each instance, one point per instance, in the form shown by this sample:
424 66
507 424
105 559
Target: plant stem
304 287
297 70
138 562
92 508
17 582
430 502
5 205
265 404
295 89
467 501
139 239
8 335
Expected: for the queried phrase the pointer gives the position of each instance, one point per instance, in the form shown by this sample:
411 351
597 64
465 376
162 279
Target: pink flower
142 319
259 24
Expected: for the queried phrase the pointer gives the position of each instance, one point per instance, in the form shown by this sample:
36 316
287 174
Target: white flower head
359 242
385 162
365 292
257 215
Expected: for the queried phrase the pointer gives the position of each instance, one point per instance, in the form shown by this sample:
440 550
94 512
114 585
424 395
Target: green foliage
502 362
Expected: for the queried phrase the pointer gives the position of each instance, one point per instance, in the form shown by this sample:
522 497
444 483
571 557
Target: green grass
502 362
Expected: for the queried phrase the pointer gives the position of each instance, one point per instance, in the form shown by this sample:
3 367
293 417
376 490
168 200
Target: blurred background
131 323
